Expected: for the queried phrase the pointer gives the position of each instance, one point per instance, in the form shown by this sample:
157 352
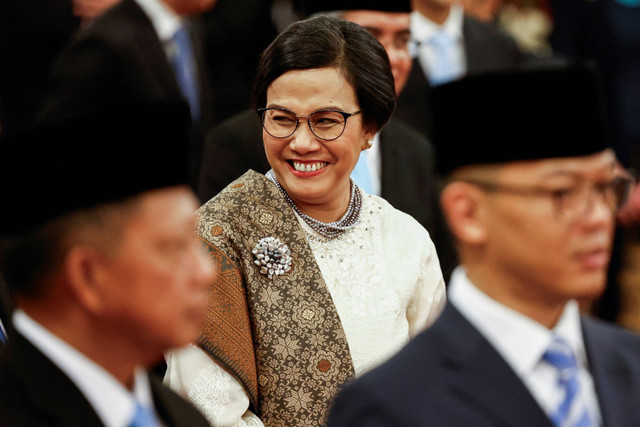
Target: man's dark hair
27 257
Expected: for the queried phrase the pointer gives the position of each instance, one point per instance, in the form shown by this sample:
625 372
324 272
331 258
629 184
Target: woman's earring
369 144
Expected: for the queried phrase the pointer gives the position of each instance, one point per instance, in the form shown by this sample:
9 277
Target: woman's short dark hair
330 42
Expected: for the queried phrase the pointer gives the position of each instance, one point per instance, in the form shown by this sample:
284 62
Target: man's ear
464 207
83 270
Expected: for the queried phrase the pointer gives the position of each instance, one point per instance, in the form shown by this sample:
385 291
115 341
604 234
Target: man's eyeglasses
571 202
325 124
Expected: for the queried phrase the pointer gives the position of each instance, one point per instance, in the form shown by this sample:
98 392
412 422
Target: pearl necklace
330 230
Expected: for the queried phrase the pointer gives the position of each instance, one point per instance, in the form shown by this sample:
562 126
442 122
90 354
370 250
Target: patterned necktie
182 60
443 69
361 175
144 417
572 410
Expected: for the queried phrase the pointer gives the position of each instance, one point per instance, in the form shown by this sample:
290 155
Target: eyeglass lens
575 202
325 125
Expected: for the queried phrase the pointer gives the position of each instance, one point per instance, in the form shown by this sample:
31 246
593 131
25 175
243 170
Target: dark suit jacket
118 59
32 34
6 308
451 376
486 48
35 392
407 175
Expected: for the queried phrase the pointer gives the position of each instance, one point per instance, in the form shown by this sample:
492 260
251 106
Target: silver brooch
272 256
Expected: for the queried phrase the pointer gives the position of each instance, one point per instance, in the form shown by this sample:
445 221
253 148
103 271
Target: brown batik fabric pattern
301 354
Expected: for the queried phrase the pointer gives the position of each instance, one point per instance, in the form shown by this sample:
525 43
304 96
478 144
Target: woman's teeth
308 167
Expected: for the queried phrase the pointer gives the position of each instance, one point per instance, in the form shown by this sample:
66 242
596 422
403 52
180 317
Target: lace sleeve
195 376
430 295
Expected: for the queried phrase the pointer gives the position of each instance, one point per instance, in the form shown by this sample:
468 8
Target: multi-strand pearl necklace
330 230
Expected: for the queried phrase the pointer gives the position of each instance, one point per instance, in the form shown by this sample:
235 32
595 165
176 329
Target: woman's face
314 172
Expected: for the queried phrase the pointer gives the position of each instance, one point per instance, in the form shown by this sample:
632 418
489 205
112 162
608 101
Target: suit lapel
482 378
615 376
148 48
389 161
412 106
472 39
53 395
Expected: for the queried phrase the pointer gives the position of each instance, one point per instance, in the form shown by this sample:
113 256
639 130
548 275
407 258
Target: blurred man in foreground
532 208
101 260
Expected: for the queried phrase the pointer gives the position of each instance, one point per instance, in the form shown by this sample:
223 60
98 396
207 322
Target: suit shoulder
400 128
612 335
407 142
488 29
413 370
244 127
118 26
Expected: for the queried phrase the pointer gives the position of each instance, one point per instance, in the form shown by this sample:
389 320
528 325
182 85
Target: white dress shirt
114 404
164 20
522 341
423 29
374 165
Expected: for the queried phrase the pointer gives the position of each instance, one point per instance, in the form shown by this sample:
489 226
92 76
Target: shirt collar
422 28
520 340
114 404
164 20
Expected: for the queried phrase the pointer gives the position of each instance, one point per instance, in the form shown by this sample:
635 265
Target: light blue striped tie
572 410
183 63
443 69
144 417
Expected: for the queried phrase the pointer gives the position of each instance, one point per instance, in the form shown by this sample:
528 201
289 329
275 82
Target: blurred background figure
104 268
450 44
529 22
234 36
136 51
32 34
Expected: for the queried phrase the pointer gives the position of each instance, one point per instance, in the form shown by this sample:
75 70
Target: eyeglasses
325 124
571 202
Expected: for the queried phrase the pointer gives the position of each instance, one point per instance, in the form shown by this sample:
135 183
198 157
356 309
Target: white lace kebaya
385 281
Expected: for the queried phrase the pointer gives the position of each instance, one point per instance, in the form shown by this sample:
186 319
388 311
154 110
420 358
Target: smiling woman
318 281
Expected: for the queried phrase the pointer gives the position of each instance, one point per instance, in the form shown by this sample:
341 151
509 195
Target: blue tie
572 410
183 63
443 70
3 337
361 175
144 417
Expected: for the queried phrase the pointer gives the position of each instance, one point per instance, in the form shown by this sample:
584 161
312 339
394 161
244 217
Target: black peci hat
59 168
309 7
528 113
